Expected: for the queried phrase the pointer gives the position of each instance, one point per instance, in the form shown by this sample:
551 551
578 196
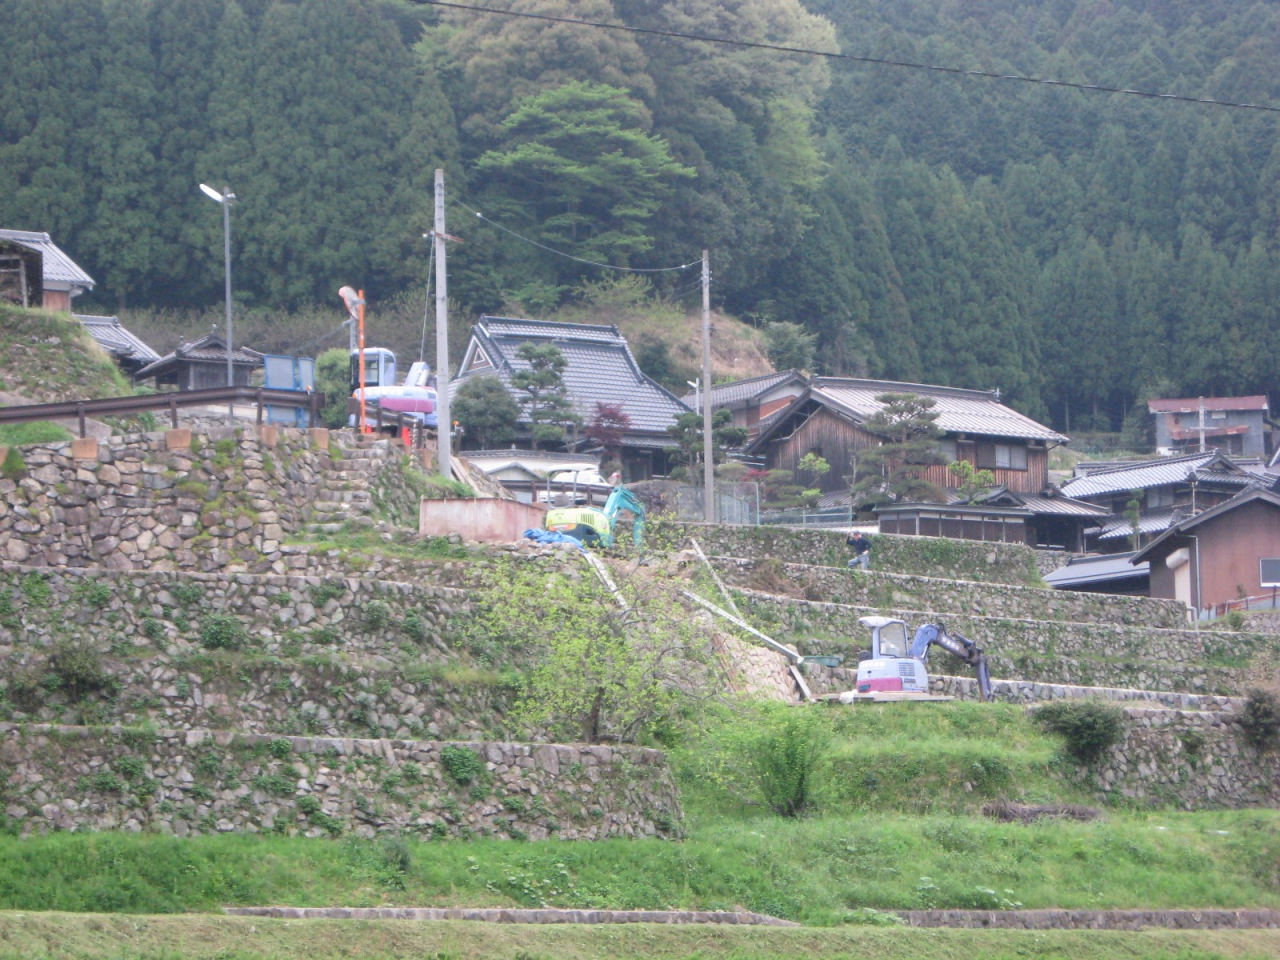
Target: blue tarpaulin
550 536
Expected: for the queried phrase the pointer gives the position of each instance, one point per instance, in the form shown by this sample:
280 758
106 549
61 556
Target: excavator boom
961 647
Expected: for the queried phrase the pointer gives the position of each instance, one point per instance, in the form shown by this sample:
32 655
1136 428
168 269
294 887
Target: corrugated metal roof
1115 566
1157 521
1138 476
600 369
1193 433
58 267
116 340
1060 506
1192 404
724 394
975 412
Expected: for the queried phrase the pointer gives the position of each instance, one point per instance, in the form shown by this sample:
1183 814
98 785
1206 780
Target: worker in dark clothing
861 551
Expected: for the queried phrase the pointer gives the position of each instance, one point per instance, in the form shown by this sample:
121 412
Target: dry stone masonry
196 781
174 501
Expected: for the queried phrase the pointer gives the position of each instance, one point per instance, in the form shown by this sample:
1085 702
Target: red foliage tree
607 425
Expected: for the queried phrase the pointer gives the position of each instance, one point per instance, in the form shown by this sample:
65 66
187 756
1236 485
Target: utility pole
444 423
364 421
708 464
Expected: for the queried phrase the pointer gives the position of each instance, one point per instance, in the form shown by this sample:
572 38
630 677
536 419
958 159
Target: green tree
788 346
601 669
333 379
891 471
578 159
546 405
687 431
486 412
971 482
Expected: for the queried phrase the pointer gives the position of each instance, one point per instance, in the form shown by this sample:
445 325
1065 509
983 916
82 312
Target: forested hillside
1075 250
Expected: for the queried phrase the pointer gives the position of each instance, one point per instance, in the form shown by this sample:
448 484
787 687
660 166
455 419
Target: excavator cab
889 665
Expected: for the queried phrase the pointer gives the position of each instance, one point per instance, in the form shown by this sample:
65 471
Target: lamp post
226 198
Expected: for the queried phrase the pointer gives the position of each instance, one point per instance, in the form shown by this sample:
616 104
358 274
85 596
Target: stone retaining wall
876 588
1094 919
923 556
1080 654
227 500
512 915
173 612
196 781
1196 760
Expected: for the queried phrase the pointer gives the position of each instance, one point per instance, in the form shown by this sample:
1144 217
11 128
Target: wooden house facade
828 419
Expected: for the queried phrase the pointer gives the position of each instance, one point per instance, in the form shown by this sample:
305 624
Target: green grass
914 839
815 871
38 431
363 540
71 937
45 357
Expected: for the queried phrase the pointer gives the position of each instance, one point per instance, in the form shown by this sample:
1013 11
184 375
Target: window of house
1159 497
1002 456
948 449
1219 415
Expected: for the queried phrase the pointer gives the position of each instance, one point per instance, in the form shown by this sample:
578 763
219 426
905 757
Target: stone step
324 527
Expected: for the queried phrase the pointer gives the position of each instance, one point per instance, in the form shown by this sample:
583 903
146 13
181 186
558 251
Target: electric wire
569 256
833 55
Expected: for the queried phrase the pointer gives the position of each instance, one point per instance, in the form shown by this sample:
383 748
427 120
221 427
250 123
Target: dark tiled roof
600 368
116 340
209 348
1157 521
727 394
58 267
1060 506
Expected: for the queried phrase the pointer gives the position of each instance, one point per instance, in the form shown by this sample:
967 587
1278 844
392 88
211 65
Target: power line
569 256
832 55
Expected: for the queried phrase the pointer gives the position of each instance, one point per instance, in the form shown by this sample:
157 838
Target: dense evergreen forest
1078 251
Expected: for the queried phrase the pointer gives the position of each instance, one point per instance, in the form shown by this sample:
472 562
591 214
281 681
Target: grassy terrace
70 937
895 825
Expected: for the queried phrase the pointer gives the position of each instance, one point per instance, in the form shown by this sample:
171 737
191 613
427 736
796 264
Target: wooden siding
837 440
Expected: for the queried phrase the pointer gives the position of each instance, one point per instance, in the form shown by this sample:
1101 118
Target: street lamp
226 198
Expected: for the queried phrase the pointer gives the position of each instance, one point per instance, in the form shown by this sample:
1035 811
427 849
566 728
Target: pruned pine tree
546 404
891 472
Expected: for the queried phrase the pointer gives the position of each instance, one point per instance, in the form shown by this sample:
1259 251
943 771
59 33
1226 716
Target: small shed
60 278
202 365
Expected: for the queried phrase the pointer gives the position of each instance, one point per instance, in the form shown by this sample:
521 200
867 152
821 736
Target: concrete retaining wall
208 782
479 519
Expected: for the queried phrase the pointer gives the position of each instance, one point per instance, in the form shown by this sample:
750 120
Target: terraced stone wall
227 501
922 556
1047 651
877 589
1197 760
196 781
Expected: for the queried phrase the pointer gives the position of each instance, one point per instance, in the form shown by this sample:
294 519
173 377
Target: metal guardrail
832 517
312 402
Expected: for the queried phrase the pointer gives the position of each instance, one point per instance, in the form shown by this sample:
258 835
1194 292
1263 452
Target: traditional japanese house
600 369
1166 490
754 400
828 419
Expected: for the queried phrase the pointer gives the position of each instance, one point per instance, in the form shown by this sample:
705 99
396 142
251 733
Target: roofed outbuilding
128 351
201 365
61 278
